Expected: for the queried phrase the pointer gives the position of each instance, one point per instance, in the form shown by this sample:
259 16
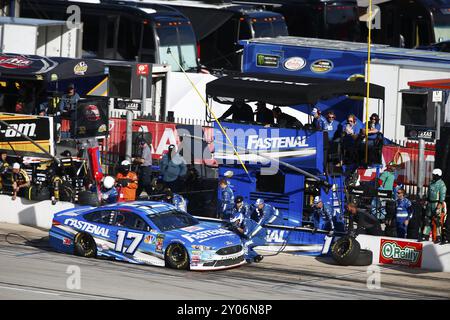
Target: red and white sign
142 69
399 252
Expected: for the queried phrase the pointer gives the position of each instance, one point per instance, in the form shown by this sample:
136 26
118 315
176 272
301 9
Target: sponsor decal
159 243
205 234
80 69
195 258
275 236
228 243
17 62
267 60
92 113
67 241
255 142
192 228
401 252
102 128
150 239
321 66
88 227
15 130
294 64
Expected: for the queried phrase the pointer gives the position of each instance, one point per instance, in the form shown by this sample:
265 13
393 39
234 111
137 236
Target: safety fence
405 154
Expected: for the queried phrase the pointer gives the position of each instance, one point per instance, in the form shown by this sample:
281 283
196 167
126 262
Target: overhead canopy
432 84
33 67
205 21
286 90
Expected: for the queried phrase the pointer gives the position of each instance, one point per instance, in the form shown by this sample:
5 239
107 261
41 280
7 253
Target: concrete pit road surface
35 271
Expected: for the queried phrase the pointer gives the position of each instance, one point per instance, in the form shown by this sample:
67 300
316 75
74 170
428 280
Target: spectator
374 138
226 207
286 121
350 134
20 181
435 205
241 207
263 114
240 110
318 120
330 125
69 100
386 181
323 212
173 167
128 181
404 213
145 168
108 190
366 223
173 198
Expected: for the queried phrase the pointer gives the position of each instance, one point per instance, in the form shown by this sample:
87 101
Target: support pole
129 135
421 168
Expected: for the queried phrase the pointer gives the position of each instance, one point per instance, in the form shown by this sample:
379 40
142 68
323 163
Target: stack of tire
346 251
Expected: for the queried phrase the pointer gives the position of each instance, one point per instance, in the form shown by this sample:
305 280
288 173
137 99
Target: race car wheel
176 257
85 245
345 251
364 258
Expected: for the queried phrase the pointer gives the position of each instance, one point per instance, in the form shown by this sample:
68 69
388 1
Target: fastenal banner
39 129
401 252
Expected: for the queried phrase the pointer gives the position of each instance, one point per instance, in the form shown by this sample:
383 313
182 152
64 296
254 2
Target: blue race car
146 232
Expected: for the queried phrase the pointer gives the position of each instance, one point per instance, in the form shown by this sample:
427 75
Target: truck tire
365 258
88 198
345 251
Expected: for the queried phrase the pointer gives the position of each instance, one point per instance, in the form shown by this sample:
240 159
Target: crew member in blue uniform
323 215
174 198
251 230
241 207
227 203
404 213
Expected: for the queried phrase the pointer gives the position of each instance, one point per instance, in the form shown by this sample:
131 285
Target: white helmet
437 172
108 182
237 216
125 163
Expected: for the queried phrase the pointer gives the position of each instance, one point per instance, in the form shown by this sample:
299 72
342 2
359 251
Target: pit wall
30 213
424 255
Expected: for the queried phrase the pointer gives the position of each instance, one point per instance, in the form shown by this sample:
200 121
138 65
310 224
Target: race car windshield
173 219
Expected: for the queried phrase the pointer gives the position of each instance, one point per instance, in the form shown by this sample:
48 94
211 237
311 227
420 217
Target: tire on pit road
345 251
365 258
85 246
88 198
176 256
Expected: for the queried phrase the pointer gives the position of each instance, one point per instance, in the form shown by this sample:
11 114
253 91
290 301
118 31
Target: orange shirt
129 192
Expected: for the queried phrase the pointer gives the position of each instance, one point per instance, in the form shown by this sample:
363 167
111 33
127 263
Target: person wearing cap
20 181
128 182
145 167
263 114
240 206
264 213
323 213
318 119
435 205
173 168
69 100
175 199
284 120
386 181
227 201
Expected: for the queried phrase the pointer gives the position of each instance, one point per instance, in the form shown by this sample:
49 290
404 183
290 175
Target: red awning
433 84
